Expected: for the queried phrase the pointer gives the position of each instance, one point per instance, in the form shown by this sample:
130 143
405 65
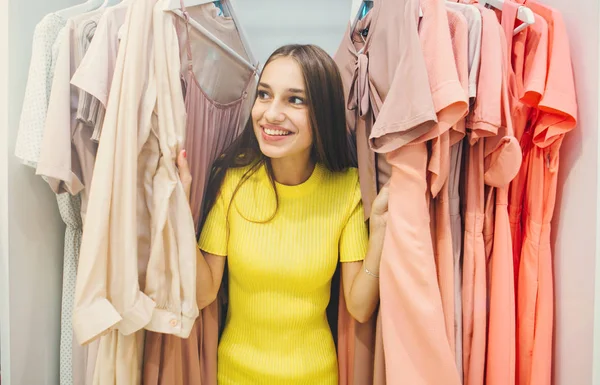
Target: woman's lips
275 133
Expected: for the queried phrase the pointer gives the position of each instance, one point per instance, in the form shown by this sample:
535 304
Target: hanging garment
369 80
420 352
440 207
503 160
30 136
484 122
93 77
68 154
37 90
95 72
530 58
210 128
473 18
145 93
557 116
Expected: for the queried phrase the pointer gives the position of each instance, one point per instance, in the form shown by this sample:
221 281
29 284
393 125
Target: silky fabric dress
211 127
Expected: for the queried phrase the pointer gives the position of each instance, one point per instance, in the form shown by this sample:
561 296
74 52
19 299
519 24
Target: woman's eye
296 100
262 95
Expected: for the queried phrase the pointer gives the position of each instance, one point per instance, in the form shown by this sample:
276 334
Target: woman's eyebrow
292 90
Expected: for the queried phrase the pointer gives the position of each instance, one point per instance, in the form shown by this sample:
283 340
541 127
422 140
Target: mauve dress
211 127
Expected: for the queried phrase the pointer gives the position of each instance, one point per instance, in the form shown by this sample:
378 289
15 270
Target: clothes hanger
175 7
524 14
88 6
364 8
229 9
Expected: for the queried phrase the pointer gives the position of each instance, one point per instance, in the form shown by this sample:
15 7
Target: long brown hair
325 98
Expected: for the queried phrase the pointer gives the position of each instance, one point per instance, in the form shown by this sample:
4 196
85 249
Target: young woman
284 207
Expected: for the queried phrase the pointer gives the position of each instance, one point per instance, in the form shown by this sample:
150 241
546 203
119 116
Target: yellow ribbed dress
280 269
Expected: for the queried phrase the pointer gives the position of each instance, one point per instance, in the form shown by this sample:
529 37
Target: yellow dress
280 268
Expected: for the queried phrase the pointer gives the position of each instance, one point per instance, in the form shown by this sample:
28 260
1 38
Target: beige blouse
140 215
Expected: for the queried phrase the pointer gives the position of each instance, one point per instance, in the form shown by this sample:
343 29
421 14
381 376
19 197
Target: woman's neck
292 171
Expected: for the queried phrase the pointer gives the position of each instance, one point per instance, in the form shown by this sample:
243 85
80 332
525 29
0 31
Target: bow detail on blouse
358 97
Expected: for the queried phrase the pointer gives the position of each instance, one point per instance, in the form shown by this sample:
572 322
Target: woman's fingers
184 171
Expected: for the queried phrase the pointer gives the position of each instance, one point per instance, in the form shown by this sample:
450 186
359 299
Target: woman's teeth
273 132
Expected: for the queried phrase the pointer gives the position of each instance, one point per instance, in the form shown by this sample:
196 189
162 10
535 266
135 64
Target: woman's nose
274 112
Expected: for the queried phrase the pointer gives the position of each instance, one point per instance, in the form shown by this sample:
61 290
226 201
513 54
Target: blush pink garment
474 271
484 122
418 351
440 208
411 307
473 17
557 116
376 72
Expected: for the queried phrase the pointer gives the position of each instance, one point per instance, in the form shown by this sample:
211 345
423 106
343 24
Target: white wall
4 333
33 232
575 226
270 24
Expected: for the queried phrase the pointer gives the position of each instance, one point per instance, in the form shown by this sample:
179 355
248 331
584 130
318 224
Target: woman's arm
361 279
209 267
209 274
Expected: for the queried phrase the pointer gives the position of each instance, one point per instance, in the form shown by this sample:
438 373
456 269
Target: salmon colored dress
502 163
557 115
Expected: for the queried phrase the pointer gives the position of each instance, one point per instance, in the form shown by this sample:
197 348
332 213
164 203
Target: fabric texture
285 339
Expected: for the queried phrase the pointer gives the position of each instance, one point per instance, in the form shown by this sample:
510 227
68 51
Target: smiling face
280 114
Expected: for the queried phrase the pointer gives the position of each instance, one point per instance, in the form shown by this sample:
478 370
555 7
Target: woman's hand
184 172
379 211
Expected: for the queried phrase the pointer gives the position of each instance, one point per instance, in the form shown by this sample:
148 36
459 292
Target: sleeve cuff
91 322
167 322
392 137
60 180
138 316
